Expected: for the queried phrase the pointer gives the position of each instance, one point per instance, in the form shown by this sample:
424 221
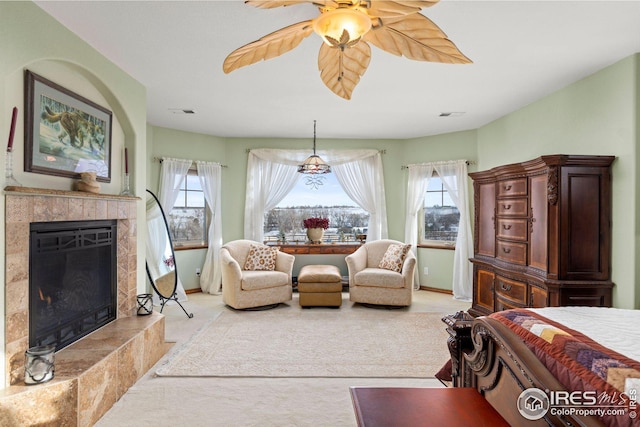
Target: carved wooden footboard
500 366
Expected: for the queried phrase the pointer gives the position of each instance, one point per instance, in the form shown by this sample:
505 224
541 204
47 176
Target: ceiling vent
182 110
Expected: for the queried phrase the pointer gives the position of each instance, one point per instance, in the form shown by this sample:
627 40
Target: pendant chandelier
314 166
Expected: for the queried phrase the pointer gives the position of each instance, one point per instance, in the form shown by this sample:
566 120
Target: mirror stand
161 261
174 297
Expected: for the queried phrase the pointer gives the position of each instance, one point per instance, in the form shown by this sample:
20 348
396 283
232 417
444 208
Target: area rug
308 343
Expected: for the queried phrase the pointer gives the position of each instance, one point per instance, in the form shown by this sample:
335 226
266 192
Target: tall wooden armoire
542 234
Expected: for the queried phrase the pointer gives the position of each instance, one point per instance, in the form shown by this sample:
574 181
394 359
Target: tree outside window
189 216
346 218
441 216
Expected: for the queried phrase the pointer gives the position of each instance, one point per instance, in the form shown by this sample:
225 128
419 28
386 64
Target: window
441 216
189 217
346 219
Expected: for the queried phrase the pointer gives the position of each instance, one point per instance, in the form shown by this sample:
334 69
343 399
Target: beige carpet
253 401
308 343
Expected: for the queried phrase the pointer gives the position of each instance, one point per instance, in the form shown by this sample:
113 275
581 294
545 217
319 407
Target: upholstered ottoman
320 286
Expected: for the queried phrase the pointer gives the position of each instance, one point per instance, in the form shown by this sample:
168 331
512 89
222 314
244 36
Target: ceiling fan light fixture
348 28
332 24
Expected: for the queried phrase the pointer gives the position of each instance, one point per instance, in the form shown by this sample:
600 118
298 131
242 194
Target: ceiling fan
347 27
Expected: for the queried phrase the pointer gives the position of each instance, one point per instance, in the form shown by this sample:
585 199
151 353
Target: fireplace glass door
72 280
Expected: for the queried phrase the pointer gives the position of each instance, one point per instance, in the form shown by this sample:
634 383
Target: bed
575 366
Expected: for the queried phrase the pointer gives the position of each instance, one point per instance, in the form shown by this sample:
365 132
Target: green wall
636 178
451 146
31 39
233 202
233 152
597 115
164 142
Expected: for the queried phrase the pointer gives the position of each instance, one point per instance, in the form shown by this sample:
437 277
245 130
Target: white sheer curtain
418 182
363 182
272 174
210 176
454 178
268 182
172 174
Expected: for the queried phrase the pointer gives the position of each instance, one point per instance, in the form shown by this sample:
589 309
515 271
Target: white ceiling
522 51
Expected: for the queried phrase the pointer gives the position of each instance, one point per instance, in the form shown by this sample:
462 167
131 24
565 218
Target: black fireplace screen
72 280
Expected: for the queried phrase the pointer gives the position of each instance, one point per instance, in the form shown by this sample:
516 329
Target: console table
318 248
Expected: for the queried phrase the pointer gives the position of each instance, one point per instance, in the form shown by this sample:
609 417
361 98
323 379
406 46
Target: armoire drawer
512 252
514 229
512 187
504 304
512 207
511 290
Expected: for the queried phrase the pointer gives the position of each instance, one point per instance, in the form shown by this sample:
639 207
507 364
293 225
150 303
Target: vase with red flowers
315 228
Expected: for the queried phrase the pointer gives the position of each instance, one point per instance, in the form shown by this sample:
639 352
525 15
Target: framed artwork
65 133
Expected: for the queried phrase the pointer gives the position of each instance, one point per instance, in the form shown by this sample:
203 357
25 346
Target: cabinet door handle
506 207
507 187
505 287
506 250
506 227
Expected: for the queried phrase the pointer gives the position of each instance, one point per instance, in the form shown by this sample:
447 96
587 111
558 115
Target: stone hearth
94 372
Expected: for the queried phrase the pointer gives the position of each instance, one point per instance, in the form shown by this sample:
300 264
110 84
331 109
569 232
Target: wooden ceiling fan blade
416 37
420 3
271 4
391 9
341 69
269 46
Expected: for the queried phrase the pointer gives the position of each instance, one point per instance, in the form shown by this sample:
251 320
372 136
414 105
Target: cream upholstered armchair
255 275
381 272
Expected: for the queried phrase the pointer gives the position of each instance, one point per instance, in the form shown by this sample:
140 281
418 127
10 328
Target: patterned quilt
580 363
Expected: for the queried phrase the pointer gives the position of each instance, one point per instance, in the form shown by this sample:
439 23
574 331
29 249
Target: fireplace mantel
32 191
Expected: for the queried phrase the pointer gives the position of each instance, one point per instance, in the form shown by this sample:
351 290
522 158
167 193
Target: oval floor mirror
160 257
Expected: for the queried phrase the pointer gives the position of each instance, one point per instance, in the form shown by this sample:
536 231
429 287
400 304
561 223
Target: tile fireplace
93 372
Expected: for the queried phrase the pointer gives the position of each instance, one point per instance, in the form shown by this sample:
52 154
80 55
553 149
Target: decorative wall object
65 133
9 180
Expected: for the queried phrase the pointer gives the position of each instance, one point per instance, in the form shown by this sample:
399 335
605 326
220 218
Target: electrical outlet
197 271
426 271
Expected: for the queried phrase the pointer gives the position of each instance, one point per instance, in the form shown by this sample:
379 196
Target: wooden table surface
318 248
409 407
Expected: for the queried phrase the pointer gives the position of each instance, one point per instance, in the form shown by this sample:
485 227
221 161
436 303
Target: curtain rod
248 150
159 159
468 162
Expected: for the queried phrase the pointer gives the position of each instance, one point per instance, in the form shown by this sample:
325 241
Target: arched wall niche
86 83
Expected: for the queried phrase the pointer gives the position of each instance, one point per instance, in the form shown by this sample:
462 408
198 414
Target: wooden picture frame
65 133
